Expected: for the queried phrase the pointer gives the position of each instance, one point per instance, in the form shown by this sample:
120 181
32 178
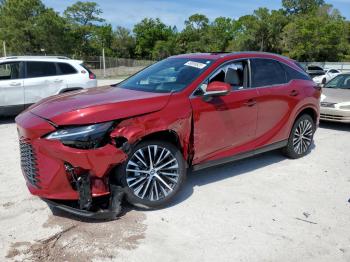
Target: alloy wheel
152 172
303 137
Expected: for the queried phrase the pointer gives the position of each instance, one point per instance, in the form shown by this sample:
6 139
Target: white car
26 80
328 76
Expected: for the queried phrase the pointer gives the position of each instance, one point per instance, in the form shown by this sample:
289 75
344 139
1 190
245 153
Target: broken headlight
82 137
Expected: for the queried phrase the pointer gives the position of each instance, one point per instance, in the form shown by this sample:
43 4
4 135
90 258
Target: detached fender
175 117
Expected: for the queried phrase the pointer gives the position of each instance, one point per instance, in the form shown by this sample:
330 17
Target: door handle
250 102
294 93
58 80
15 84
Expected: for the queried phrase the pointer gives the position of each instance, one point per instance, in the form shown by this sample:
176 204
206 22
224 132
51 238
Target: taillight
92 76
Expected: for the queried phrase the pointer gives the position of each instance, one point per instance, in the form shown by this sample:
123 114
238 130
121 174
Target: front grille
28 161
327 104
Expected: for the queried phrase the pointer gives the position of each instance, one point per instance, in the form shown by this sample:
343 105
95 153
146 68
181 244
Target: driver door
225 125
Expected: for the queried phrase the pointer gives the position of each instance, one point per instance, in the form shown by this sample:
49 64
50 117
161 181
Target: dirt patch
8 204
83 240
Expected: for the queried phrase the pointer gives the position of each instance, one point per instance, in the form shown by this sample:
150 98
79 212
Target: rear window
315 68
66 69
40 69
266 72
295 74
86 68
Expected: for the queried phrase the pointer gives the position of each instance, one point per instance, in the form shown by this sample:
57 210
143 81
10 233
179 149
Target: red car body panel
239 122
98 105
54 180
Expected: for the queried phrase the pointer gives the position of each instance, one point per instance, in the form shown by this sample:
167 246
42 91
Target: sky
174 12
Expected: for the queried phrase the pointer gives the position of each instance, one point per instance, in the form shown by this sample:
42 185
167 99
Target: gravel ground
266 208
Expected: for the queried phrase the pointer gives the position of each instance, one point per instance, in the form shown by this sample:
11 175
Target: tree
123 43
317 37
84 13
197 22
220 33
86 31
260 31
301 6
147 33
28 26
194 37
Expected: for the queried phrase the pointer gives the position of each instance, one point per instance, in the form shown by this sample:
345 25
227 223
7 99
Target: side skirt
240 156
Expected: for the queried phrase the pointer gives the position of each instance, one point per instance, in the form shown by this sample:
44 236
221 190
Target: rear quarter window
66 69
294 74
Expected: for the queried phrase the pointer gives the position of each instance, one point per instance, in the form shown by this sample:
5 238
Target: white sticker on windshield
195 64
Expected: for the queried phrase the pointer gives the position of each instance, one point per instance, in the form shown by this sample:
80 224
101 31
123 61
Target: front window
173 74
341 81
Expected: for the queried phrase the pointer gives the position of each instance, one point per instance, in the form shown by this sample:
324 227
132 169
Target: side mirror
217 88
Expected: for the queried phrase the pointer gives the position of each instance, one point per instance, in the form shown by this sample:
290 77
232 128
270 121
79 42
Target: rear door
277 97
42 80
70 75
11 85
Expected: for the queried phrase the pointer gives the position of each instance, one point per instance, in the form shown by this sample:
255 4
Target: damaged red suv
141 136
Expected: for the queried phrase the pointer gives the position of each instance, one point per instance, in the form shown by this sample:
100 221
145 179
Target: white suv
26 80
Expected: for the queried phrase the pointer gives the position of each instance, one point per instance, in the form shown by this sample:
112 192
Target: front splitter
111 213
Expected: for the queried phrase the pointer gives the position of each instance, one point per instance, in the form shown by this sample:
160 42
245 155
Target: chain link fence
115 67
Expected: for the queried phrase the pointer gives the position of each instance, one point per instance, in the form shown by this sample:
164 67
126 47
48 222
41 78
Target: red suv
195 110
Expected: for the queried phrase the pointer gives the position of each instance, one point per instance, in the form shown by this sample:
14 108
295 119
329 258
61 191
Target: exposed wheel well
166 135
309 111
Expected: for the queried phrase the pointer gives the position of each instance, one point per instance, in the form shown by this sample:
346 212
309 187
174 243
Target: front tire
153 174
301 137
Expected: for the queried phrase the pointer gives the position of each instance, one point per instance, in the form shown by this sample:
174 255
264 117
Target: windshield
172 74
341 81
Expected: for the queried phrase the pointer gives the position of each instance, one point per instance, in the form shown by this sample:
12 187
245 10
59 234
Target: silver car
335 100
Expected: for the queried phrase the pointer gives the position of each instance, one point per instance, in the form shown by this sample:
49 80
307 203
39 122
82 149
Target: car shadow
198 179
335 126
226 171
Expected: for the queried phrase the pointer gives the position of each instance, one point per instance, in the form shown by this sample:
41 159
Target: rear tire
153 174
301 137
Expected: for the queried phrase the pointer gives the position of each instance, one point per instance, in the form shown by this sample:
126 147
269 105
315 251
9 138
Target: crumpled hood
98 105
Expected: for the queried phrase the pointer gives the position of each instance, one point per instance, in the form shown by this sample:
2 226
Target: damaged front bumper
111 212
60 174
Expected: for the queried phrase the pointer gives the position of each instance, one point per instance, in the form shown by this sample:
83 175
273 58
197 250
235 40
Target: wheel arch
65 90
165 135
309 111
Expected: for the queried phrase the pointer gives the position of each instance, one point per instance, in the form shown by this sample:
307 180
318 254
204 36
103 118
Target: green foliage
123 43
84 13
320 37
87 35
301 6
147 33
27 26
260 31
303 29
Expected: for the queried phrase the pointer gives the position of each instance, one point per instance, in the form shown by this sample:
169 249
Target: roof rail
35 57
